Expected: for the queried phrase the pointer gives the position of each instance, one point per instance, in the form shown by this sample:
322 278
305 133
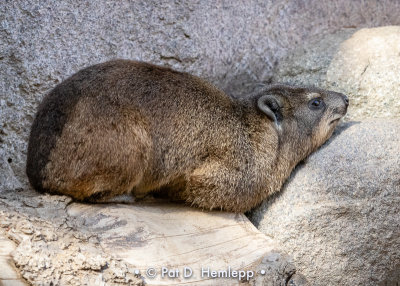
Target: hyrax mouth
336 120
339 113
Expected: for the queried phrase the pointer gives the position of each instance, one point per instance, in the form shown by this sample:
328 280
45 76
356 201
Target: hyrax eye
316 103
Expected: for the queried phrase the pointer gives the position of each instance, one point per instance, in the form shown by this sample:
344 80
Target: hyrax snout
130 127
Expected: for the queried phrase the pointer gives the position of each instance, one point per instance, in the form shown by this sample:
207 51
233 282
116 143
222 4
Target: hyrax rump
131 127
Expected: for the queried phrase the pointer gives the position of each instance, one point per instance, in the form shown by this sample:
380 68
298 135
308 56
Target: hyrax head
305 117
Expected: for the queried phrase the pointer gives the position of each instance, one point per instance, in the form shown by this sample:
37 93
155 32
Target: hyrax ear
270 104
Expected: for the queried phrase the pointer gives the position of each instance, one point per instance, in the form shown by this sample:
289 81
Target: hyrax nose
346 100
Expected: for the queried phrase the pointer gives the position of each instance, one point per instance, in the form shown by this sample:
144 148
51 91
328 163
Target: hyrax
131 127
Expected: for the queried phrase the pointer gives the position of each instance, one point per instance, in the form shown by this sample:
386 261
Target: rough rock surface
273 275
232 44
309 63
363 64
49 247
339 215
367 68
8 180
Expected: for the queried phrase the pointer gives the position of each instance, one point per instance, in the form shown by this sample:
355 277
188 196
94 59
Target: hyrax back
125 126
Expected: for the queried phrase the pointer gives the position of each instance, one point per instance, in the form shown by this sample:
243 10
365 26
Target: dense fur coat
131 127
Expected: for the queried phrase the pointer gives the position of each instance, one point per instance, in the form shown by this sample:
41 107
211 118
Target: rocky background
338 216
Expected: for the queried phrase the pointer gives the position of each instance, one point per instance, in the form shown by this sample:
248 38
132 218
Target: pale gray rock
8 181
277 269
339 214
309 63
367 68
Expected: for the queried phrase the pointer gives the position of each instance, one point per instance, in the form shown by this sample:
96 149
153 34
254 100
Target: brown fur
125 126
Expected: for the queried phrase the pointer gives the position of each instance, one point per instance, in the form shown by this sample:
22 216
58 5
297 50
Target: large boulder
363 64
339 214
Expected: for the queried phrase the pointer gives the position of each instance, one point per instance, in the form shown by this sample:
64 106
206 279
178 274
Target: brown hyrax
131 127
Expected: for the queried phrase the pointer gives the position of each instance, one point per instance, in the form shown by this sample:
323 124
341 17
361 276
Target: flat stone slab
170 238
